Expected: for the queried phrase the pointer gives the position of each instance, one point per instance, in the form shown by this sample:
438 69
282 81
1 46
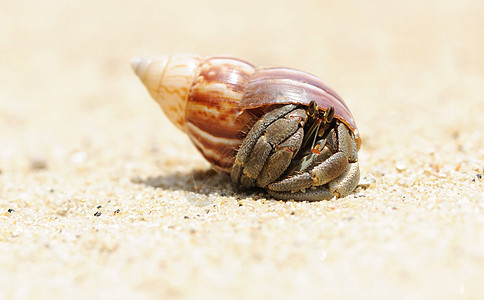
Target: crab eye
329 114
313 109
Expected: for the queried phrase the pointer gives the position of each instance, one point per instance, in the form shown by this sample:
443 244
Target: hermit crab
275 128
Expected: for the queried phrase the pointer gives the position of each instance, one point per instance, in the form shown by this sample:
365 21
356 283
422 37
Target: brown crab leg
279 160
346 182
258 129
251 139
331 173
347 143
329 169
258 157
292 184
278 140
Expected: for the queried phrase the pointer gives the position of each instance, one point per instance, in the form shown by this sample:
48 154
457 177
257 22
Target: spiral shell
215 100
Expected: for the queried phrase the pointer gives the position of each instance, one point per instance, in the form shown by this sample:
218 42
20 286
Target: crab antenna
316 134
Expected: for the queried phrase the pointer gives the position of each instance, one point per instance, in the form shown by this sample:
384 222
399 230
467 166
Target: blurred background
74 119
398 64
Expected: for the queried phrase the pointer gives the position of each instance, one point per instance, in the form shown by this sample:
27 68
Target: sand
101 197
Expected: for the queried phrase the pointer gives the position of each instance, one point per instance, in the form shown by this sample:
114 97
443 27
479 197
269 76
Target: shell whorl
201 96
168 80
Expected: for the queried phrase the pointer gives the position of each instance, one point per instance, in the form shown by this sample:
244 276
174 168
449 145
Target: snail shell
216 100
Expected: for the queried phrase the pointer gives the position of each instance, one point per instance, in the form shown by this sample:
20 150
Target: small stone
366 181
38 163
11 210
400 166
199 200
79 157
137 179
62 211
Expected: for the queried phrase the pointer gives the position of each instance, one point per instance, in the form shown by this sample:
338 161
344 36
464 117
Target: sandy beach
102 197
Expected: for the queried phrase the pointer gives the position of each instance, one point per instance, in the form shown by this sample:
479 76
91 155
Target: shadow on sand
203 182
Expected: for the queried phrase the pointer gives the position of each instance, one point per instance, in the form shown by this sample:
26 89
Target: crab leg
293 184
332 175
245 150
269 147
347 143
329 169
280 159
346 182
258 129
258 157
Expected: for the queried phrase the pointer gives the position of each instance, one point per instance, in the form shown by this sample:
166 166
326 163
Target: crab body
280 129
